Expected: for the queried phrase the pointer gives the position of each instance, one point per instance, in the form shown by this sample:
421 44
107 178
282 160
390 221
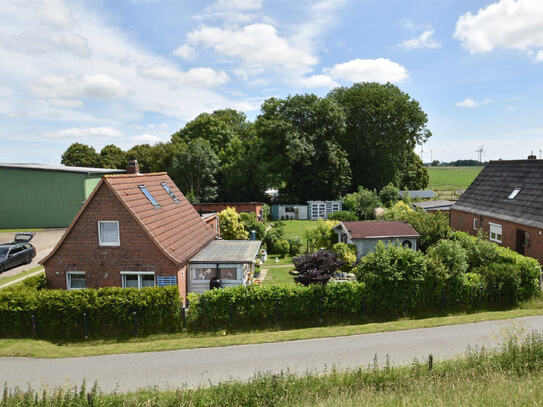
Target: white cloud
194 77
232 11
424 40
85 134
468 102
539 56
507 24
318 81
511 108
186 52
368 70
255 45
146 139
98 86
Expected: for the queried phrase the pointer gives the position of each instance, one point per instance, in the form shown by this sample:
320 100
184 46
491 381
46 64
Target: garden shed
43 195
289 211
321 209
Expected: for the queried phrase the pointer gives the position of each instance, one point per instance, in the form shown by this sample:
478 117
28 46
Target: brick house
138 230
505 201
255 207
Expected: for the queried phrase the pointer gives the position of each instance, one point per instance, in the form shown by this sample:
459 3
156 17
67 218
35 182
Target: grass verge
21 230
152 343
6 280
509 376
278 275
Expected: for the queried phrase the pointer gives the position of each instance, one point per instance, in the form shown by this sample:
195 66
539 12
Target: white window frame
139 274
474 223
69 280
495 238
100 242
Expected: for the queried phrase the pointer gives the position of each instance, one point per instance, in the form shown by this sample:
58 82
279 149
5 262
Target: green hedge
59 313
256 305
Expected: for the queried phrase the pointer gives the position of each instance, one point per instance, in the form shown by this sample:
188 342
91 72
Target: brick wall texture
102 265
464 221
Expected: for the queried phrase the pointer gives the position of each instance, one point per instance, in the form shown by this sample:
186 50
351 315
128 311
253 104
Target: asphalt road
193 367
44 241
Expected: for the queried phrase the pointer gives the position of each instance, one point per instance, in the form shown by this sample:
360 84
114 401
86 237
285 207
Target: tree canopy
309 147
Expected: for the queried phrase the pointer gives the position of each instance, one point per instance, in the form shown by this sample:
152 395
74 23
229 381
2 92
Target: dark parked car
18 252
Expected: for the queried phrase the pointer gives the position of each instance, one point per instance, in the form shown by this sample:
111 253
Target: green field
278 275
450 178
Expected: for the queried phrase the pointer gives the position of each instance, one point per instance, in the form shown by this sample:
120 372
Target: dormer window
148 195
169 191
514 194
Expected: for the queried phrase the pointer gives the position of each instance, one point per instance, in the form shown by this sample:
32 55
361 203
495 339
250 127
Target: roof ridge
135 175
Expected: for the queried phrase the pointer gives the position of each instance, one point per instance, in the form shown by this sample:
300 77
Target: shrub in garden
322 235
389 195
231 225
394 276
347 254
281 247
295 244
343 216
272 236
363 203
316 268
250 223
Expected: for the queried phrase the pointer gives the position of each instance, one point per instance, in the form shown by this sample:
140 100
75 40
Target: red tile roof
374 229
175 227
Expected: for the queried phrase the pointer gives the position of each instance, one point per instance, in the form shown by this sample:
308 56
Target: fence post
184 316
277 313
135 322
85 326
321 310
430 362
34 325
405 306
90 399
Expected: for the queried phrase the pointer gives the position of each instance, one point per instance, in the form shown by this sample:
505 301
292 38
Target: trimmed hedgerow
110 312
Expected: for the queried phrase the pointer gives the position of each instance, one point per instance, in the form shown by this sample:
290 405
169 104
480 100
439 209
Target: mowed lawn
446 178
278 275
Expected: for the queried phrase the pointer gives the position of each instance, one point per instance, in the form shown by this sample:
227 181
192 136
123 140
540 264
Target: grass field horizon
452 178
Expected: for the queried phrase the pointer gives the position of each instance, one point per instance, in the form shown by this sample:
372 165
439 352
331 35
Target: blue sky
134 71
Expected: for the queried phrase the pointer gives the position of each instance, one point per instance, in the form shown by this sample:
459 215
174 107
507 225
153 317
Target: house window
75 280
228 273
496 232
148 195
138 279
205 273
108 233
169 191
474 223
514 194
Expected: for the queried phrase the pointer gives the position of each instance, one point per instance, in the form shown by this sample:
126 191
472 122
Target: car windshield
3 251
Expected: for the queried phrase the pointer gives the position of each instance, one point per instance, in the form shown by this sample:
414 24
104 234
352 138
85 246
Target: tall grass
510 375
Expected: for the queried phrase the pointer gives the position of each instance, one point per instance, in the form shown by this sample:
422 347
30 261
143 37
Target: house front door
521 241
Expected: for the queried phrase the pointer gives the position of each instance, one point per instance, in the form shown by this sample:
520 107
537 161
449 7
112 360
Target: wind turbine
480 151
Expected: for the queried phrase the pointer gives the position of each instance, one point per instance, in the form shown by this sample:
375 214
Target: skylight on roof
169 191
514 194
148 195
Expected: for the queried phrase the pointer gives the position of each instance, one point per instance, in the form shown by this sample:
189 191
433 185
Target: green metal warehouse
43 195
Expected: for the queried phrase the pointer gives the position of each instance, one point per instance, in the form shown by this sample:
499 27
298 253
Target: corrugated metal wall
35 198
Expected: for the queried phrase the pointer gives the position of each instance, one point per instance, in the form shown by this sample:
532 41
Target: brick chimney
133 167
532 157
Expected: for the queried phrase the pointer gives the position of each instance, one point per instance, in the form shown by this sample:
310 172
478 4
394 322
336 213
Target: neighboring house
135 230
43 195
366 234
321 209
212 219
289 211
419 194
505 201
439 205
255 207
